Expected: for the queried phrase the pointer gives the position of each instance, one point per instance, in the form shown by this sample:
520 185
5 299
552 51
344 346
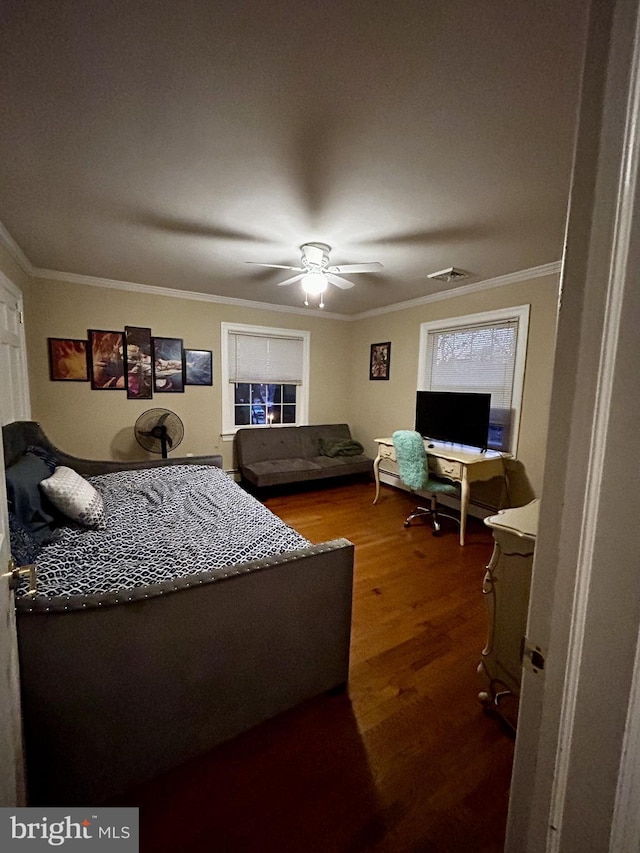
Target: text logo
97 829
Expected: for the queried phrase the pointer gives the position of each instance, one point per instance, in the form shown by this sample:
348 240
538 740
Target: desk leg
376 476
464 506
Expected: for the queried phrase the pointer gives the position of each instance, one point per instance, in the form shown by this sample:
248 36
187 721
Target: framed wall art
198 367
138 366
168 365
106 360
68 360
380 361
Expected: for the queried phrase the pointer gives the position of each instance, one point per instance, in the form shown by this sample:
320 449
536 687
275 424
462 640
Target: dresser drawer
445 468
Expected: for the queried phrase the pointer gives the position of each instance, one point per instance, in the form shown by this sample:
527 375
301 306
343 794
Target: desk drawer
386 451
445 468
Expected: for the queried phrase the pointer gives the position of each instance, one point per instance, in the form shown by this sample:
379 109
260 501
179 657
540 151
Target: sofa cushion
262 445
275 472
289 465
339 462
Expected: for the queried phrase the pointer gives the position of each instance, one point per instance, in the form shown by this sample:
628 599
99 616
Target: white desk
456 462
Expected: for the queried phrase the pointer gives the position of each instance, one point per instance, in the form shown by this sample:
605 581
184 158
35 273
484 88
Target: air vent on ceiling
450 274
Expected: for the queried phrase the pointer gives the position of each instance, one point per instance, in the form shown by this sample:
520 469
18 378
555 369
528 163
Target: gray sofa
117 688
274 456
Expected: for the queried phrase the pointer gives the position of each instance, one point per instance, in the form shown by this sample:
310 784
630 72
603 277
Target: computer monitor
453 416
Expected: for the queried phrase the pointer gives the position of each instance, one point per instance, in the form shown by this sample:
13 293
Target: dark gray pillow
48 456
26 501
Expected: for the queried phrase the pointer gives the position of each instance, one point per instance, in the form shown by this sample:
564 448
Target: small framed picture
380 361
106 360
137 353
168 365
68 360
198 367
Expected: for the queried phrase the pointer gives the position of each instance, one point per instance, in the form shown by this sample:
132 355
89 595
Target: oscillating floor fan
158 431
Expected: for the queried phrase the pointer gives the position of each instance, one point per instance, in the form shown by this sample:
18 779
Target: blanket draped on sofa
271 457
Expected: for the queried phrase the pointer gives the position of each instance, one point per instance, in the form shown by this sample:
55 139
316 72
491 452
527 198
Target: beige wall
99 424
378 408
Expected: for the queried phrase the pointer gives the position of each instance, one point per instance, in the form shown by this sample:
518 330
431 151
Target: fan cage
159 431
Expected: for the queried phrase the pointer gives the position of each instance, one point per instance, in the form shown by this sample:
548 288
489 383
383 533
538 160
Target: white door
577 763
14 405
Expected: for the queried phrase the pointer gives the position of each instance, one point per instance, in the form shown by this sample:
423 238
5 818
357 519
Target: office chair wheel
436 528
407 524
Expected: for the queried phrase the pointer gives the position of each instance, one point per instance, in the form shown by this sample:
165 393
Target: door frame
577 760
14 390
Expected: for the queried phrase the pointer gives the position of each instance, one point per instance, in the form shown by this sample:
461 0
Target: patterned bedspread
162 523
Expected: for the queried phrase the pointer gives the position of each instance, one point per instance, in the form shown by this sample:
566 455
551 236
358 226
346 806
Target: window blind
474 358
265 359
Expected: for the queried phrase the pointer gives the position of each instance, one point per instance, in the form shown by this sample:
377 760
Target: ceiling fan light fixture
314 283
316 274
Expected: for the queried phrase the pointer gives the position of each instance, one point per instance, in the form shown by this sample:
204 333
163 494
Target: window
264 403
484 353
265 373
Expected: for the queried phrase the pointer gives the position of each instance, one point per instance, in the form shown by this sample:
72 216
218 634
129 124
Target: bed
179 615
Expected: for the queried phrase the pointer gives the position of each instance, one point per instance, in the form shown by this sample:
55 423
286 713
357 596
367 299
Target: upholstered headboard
19 435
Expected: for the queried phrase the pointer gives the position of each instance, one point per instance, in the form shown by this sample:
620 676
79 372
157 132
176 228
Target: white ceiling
167 142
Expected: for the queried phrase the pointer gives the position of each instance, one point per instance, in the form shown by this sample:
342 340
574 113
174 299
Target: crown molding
553 268
153 290
15 251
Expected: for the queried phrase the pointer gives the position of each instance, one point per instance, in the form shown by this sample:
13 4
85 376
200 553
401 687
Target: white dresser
506 587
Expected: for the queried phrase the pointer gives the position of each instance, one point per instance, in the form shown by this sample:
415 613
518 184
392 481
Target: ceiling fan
315 273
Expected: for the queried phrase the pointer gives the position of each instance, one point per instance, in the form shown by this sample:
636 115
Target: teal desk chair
414 472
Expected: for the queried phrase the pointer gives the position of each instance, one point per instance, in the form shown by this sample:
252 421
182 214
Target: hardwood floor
406 760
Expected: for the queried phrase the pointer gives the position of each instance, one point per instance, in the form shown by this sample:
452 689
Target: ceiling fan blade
313 254
276 266
291 280
349 268
339 282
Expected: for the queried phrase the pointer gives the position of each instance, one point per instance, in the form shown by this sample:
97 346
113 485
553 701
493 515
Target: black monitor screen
461 418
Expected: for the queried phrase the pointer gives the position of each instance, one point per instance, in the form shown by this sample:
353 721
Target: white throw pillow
75 497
